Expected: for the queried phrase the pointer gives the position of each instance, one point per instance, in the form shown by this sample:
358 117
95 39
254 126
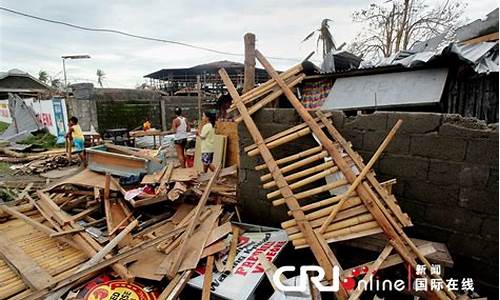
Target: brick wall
447 179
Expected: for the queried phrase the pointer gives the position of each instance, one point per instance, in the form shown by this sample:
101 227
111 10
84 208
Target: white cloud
279 26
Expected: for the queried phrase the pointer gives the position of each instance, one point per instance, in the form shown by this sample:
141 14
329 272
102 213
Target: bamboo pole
265 87
363 173
283 140
372 270
297 164
314 191
303 173
341 232
283 133
340 224
321 251
305 181
293 157
359 163
351 209
291 82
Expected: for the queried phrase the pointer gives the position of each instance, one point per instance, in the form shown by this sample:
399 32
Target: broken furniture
121 160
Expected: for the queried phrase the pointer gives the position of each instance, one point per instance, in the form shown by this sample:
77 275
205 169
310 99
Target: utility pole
249 79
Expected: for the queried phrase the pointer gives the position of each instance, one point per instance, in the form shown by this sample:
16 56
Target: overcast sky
280 26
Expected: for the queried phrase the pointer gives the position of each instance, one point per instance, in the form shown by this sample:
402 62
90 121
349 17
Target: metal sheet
390 89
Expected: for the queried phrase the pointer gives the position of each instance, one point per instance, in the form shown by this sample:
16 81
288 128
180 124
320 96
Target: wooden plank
207 280
218 232
232 249
164 179
22 264
189 231
127 151
197 242
319 251
213 249
175 287
230 129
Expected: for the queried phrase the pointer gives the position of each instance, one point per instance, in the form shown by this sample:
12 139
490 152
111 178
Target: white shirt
181 130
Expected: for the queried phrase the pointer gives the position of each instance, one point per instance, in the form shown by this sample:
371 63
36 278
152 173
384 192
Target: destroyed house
182 81
433 76
21 83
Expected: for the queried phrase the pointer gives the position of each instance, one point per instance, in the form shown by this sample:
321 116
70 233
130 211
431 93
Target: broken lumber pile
86 227
349 204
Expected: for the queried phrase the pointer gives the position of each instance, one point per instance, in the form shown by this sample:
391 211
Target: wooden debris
232 249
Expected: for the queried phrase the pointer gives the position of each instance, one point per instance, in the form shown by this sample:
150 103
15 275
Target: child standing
75 135
207 141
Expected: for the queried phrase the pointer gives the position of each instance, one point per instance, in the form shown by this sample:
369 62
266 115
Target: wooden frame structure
366 209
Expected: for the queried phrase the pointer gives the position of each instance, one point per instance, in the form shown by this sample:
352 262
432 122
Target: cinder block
479 200
489 229
473 246
474 175
444 172
338 118
454 218
434 146
402 166
286 116
416 210
399 145
434 195
353 136
454 130
375 121
414 122
264 116
429 232
482 151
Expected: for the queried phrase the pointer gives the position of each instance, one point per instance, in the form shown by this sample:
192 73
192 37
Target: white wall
44 110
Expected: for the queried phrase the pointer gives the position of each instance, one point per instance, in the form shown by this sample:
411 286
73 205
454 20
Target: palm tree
43 76
325 36
100 76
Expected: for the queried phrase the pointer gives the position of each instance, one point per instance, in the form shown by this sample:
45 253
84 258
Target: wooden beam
207 280
232 249
249 79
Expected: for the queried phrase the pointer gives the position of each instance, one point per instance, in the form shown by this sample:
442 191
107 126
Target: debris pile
153 232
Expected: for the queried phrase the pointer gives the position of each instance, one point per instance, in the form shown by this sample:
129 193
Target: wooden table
151 132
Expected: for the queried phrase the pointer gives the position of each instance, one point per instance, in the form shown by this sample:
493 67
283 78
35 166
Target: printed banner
247 271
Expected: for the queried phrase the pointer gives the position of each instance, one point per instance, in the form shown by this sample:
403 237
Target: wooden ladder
365 209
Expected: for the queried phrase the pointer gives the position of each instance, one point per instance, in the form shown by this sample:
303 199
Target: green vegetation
42 139
3 126
4 168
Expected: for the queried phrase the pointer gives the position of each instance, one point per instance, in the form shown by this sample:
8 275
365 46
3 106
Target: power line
133 35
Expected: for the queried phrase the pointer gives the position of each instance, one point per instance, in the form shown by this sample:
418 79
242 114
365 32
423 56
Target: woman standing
207 141
181 127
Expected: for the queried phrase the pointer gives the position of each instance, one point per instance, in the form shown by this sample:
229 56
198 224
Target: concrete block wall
447 178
